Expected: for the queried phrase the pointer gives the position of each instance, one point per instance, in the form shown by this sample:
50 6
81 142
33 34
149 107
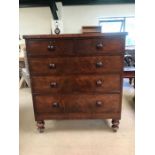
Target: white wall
74 17
38 20
35 20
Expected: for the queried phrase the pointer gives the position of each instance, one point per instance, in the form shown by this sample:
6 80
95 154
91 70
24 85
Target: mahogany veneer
76 76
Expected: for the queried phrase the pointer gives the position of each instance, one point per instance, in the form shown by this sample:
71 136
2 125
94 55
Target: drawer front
50 47
99 46
61 47
106 103
48 104
76 83
75 65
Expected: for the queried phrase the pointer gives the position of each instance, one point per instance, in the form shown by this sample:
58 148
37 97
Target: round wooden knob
50 47
99 64
98 82
53 84
52 66
99 46
99 103
55 105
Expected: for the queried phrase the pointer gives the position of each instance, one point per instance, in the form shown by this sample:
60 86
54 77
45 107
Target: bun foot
114 128
41 130
40 125
115 125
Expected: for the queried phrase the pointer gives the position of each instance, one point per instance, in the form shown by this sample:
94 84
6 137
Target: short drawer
75 65
99 45
53 47
106 103
76 83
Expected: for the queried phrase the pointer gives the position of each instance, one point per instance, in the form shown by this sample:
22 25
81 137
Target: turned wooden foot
40 125
115 124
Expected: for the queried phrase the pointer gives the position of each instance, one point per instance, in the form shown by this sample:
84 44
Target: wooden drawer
76 83
99 46
106 103
51 47
75 65
64 47
48 104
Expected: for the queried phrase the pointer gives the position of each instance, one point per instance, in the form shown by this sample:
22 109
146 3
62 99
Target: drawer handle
99 64
99 82
50 47
52 66
53 84
98 103
99 46
55 105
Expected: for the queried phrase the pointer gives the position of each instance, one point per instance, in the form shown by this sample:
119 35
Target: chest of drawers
76 76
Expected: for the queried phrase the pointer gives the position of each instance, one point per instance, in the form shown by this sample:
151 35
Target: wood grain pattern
98 46
75 65
72 36
70 47
76 76
75 116
51 47
77 103
77 83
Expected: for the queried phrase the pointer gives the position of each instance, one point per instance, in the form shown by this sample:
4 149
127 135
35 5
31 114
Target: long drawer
76 83
77 103
64 47
75 65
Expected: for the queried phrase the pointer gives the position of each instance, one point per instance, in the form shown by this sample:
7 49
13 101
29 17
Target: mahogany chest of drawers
76 76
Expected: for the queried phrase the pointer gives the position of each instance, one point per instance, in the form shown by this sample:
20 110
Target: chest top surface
87 35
